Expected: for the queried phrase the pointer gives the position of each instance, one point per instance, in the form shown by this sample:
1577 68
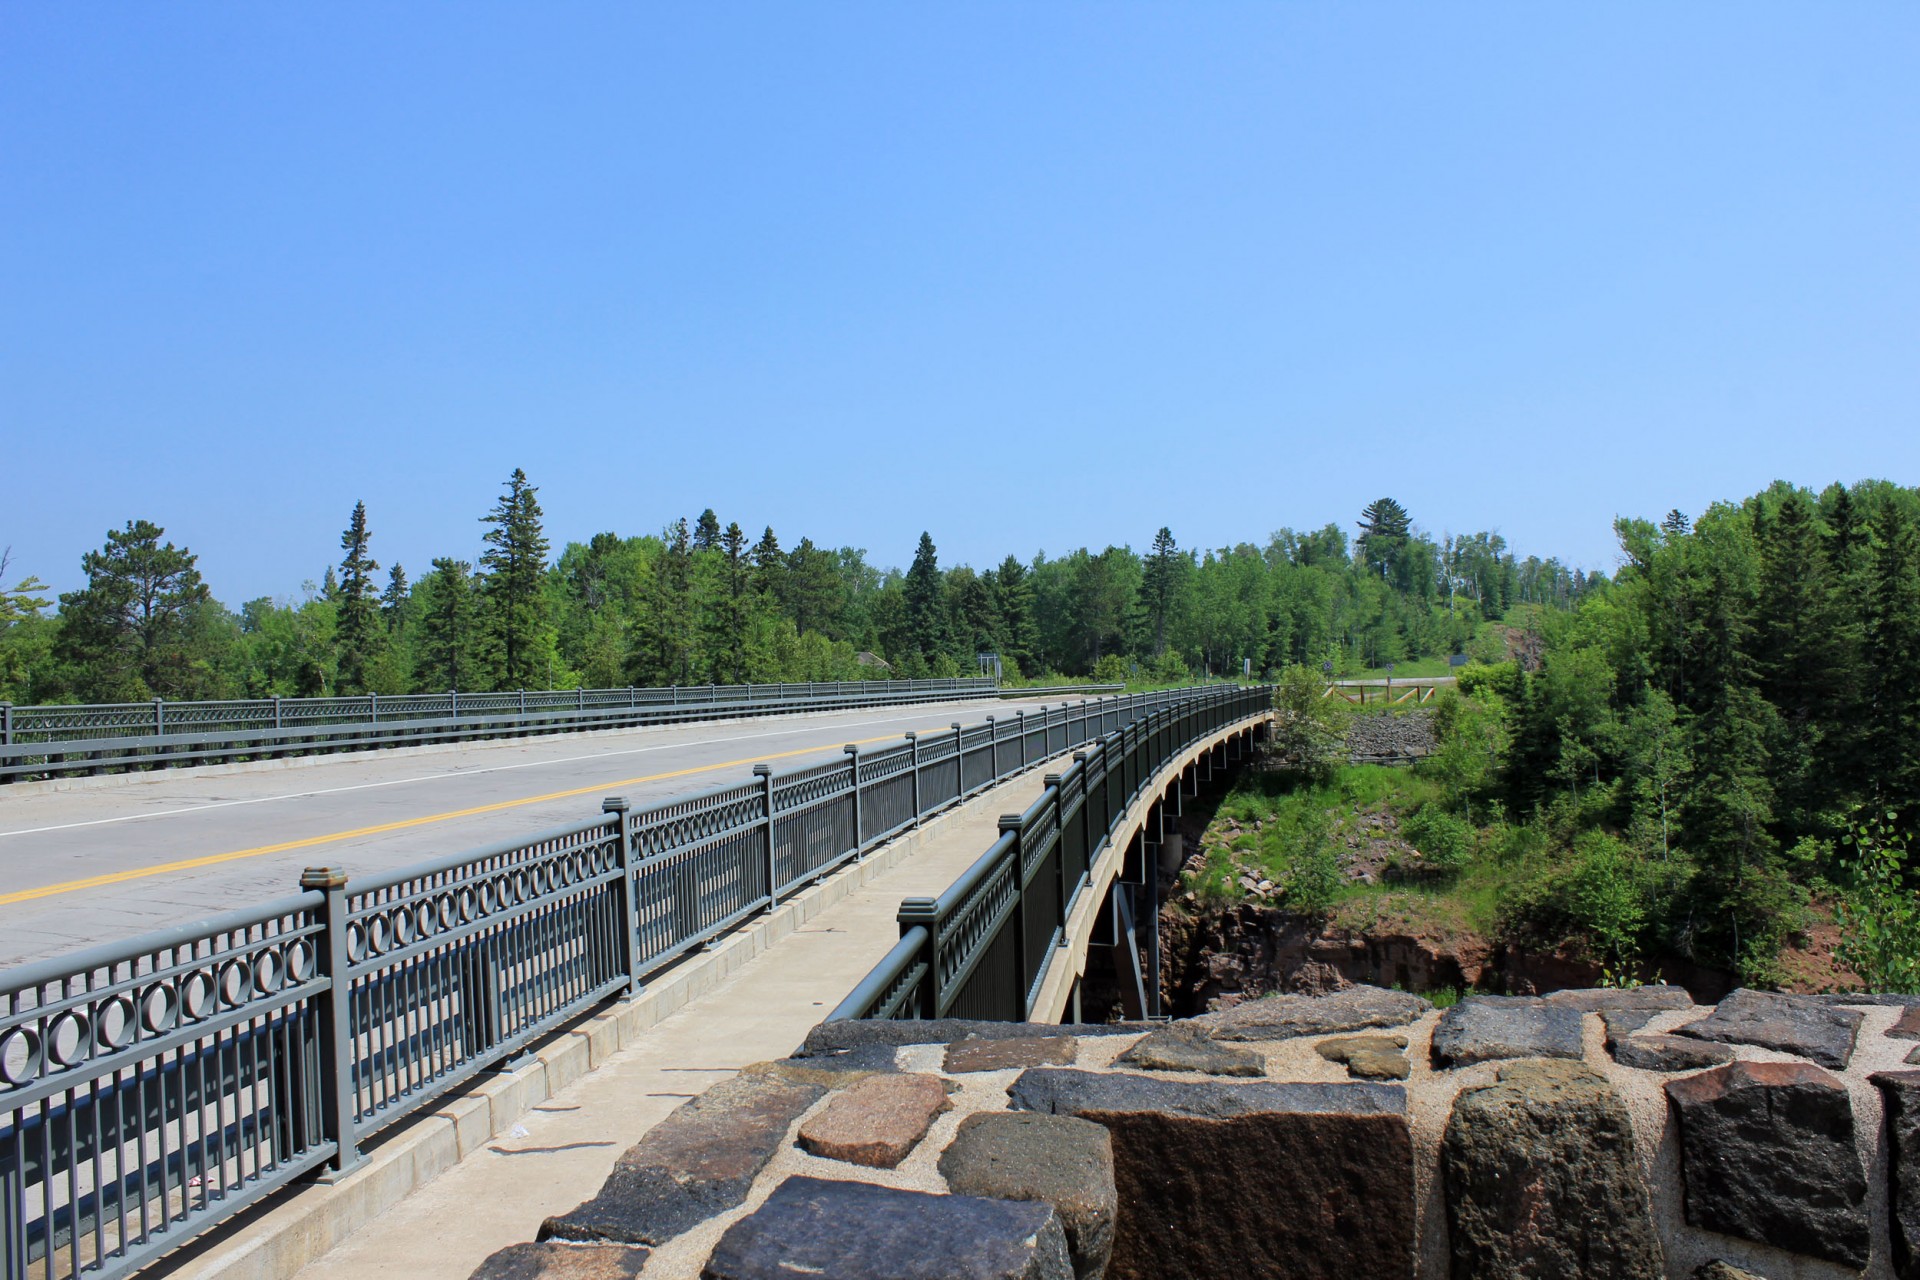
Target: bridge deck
499 1195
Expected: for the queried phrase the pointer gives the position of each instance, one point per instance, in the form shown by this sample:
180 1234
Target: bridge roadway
112 857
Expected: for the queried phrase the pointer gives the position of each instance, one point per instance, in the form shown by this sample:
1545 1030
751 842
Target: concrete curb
310 1220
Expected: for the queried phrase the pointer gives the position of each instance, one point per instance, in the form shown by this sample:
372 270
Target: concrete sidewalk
752 998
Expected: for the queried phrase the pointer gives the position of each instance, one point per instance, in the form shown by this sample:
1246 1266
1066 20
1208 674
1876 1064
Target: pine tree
663 650
1161 584
1384 528
1793 651
516 563
814 591
925 618
727 617
1013 598
1892 638
394 601
770 569
453 652
127 632
355 633
706 531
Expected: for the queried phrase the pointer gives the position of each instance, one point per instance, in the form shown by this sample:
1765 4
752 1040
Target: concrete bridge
494 1027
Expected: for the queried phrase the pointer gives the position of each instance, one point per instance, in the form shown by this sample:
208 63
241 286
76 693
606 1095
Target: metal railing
981 949
47 741
152 1088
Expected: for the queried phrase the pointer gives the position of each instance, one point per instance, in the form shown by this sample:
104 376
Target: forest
1713 757
700 602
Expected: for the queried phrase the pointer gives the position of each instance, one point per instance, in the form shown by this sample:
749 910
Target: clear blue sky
1028 276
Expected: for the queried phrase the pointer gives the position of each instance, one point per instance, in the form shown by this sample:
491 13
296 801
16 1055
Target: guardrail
981 949
152 1088
48 741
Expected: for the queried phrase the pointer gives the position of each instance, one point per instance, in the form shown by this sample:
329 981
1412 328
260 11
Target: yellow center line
215 859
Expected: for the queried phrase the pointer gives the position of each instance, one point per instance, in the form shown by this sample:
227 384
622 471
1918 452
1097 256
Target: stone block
1009 1055
1178 1047
699 1161
877 1121
834 1071
1669 1053
1542 1181
1066 1162
1804 1025
1907 1025
1369 1057
1767 1153
857 1231
557 1261
1487 1028
1718 1270
1649 999
1220 1178
1352 1008
853 1033
1900 1090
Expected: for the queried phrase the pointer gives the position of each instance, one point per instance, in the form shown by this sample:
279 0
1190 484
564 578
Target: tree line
1715 740
700 602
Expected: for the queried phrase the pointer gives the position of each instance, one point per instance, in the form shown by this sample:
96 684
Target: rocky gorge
1359 1132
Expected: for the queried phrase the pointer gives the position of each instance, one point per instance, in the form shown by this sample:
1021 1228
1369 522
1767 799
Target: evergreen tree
770 569
706 531
1892 640
924 619
394 601
1384 528
128 633
663 653
516 563
355 634
1013 600
815 592
727 618
1161 585
453 649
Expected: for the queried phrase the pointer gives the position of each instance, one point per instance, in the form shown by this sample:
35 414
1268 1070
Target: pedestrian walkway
563 1148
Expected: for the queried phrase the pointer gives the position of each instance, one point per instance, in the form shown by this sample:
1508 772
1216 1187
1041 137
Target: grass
1405 669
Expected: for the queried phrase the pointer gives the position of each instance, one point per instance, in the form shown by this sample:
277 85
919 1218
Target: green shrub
1879 915
1444 840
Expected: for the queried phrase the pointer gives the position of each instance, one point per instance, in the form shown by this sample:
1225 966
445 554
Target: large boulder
1804 1025
1218 1178
1486 1028
1901 1092
1542 1180
858 1231
1283 1017
1669 1053
699 1161
1066 1162
1767 1153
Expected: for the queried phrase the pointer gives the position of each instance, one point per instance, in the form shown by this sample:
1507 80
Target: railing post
617 808
6 722
959 762
765 774
453 703
373 708
913 749
159 716
925 913
1020 731
1051 782
338 1105
1010 826
276 711
853 763
523 704
993 748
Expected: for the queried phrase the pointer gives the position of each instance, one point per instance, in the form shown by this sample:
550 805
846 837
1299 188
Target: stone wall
1361 1133
1389 737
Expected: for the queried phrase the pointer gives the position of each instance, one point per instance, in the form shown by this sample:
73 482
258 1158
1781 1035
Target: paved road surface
107 862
